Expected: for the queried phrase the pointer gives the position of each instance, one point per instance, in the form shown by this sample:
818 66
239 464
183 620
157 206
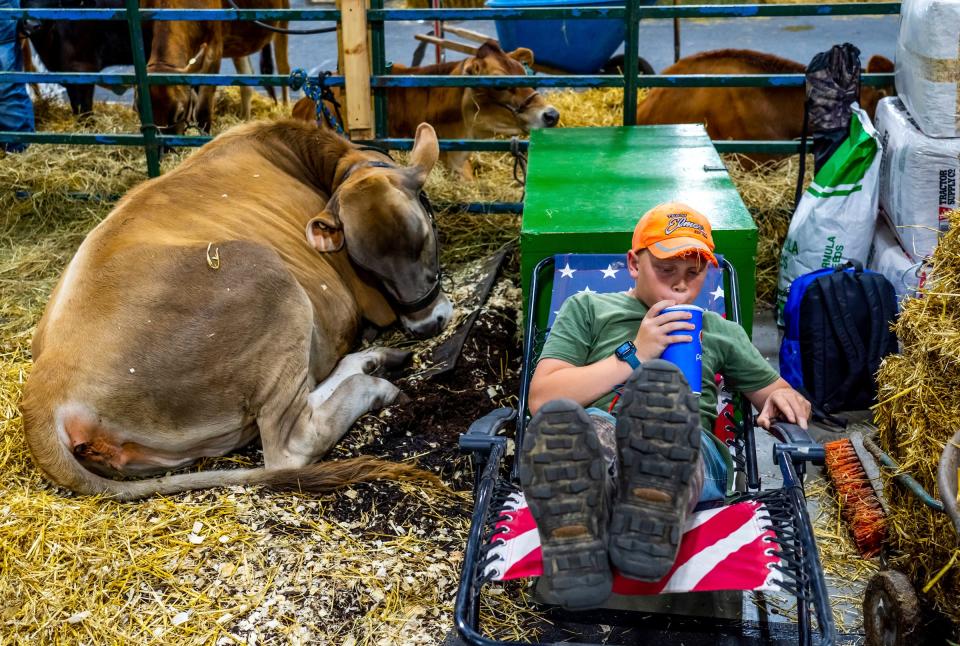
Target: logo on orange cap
674 229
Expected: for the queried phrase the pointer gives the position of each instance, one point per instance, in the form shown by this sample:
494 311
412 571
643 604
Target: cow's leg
207 94
318 427
280 52
458 162
242 63
369 362
81 99
205 102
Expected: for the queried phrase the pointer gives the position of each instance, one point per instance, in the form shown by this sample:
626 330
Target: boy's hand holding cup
672 332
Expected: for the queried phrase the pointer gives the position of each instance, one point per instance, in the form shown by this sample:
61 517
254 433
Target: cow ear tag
325 234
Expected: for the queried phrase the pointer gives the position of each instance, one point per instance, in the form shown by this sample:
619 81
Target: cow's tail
52 454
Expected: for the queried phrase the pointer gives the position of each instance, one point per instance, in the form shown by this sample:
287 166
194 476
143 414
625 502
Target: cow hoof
380 359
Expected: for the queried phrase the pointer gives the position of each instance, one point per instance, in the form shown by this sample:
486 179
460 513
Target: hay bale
917 413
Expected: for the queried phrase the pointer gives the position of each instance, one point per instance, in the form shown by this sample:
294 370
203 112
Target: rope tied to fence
519 161
318 90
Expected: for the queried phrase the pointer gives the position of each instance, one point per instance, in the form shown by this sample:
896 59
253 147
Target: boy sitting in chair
616 488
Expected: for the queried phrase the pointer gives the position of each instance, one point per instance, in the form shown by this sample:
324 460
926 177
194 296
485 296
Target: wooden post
356 68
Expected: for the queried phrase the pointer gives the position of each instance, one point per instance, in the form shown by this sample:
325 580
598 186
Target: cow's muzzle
550 117
430 320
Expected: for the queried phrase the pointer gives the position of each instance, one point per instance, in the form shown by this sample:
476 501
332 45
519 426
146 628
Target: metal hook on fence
318 90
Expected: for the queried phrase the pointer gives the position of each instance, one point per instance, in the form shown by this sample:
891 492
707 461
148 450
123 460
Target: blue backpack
837 331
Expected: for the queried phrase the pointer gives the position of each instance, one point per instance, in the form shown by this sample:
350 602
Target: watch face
624 348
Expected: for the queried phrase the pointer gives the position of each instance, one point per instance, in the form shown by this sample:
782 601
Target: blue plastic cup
688 355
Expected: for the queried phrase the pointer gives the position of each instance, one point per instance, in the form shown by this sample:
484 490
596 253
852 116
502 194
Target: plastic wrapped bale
919 178
927 60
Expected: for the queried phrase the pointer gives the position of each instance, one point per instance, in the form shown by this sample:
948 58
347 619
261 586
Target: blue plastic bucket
580 46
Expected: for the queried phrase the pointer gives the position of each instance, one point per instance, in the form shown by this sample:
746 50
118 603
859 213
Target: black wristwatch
626 351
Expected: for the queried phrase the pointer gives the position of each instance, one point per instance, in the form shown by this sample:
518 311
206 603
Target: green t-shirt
590 326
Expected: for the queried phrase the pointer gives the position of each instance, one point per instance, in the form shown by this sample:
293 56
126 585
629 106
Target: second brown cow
197 47
463 112
739 113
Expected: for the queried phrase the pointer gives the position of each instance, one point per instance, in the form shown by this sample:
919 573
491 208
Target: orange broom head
859 505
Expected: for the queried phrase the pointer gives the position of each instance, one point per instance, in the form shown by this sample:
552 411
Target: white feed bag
928 64
888 258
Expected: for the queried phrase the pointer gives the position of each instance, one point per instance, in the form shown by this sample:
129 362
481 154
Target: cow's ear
325 233
473 67
489 48
425 151
522 55
195 64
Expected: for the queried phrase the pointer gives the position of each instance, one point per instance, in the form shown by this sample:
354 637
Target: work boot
563 476
658 436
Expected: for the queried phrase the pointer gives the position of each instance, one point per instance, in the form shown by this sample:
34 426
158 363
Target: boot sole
658 437
563 476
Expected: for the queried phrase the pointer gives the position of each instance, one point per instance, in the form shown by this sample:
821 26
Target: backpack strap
882 302
845 329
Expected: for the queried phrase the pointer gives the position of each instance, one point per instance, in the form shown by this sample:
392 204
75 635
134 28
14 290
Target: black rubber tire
615 66
891 610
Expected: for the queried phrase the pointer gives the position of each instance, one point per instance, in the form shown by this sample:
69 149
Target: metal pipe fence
632 12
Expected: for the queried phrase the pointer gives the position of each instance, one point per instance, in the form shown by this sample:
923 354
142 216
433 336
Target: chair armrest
791 433
795 441
483 432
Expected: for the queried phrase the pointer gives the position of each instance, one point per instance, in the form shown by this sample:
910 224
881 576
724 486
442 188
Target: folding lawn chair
757 541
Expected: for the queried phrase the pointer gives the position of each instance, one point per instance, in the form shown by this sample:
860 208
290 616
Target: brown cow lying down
459 112
739 112
218 302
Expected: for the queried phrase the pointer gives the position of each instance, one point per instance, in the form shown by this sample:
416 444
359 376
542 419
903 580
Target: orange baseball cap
674 229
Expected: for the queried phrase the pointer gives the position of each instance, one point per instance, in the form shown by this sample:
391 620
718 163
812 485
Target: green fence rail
632 12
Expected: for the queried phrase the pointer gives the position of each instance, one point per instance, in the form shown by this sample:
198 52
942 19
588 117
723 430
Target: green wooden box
587 187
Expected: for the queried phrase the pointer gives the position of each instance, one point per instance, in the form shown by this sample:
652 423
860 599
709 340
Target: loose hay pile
918 412
375 563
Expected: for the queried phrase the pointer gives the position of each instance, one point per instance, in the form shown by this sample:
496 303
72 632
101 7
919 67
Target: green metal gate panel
586 188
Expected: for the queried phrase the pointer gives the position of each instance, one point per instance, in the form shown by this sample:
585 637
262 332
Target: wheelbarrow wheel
615 66
891 610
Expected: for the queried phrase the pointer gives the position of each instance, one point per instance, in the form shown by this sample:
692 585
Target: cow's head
380 216
508 111
870 96
41 32
175 106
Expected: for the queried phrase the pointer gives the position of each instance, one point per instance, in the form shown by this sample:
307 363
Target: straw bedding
919 405
375 563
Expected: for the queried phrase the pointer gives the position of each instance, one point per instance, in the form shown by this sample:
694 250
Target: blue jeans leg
713 464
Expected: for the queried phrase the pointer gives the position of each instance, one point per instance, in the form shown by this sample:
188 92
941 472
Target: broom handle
905 479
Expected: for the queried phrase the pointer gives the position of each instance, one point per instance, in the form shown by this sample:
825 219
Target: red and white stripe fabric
726 548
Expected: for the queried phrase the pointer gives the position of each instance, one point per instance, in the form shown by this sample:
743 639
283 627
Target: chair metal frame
786 505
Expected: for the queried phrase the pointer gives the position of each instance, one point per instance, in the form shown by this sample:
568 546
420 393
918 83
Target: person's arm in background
557 379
